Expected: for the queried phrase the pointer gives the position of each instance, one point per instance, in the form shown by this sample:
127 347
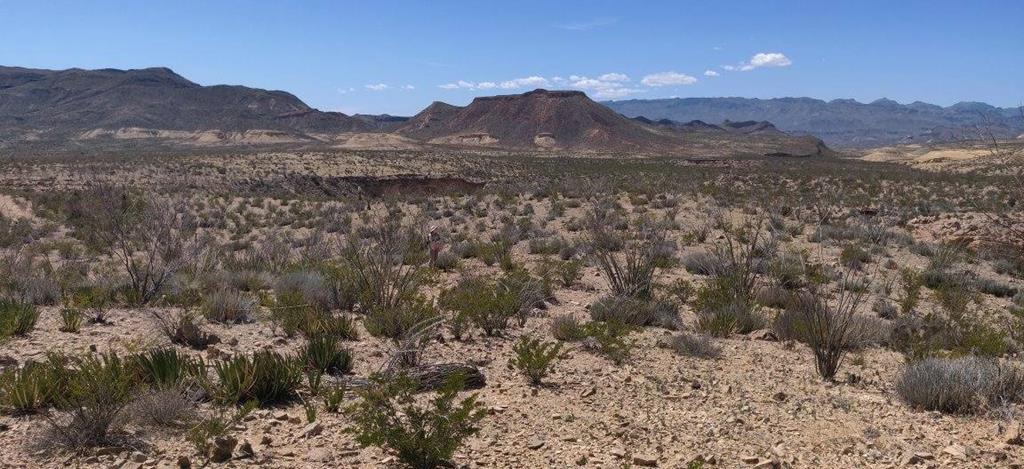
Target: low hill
539 119
570 121
72 102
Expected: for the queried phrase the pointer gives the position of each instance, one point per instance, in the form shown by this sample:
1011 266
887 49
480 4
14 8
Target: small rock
222 448
645 460
779 396
282 416
1013 436
266 440
184 462
245 450
535 443
763 334
312 430
321 455
589 392
750 459
956 451
138 457
108 451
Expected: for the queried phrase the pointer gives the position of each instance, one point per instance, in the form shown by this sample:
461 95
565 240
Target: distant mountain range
83 107
841 122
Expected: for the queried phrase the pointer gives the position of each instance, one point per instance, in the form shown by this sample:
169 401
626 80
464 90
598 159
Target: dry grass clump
693 345
960 385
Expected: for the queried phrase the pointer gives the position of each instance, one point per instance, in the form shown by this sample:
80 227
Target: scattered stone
222 448
138 457
321 455
245 450
313 429
1013 436
645 460
535 443
750 459
184 462
109 451
779 397
763 334
956 451
589 391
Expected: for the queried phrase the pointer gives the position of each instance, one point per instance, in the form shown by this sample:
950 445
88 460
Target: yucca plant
322 353
17 318
267 377
27 389
164 368
96 391
70 319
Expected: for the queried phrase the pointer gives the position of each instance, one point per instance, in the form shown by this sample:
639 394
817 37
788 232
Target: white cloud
668 79
525 82
607 86
761 59
614 77
408 87
377 87
346 90
710 73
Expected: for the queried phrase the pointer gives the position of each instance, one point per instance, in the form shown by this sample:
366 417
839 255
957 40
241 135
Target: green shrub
333 397
608 339
566 328
323 354
294 314
534 358
911 283
724 306
422 435
852 256
633 311
446 261
266 377
491 305
397 322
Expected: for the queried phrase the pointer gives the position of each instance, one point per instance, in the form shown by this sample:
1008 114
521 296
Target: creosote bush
421 434
534 358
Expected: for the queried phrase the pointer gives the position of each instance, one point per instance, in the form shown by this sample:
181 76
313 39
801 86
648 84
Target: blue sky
398 56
